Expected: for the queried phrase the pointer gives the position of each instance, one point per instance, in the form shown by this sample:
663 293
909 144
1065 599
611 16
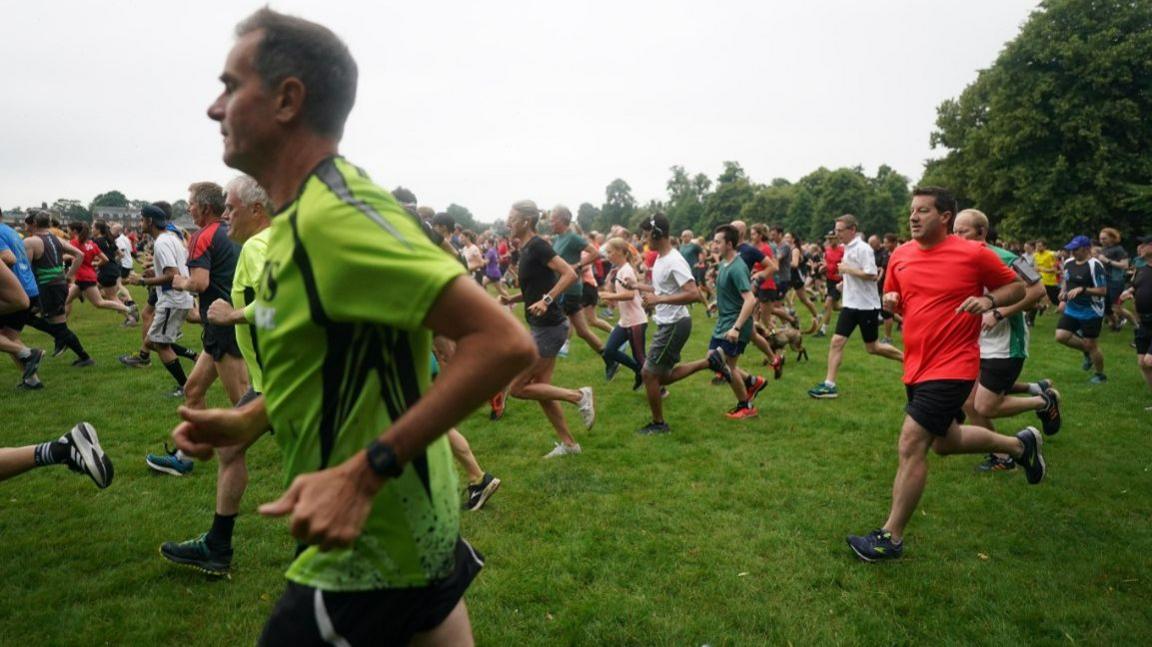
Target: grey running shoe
32 363
587 407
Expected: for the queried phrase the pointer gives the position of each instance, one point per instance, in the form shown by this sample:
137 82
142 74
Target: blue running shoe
876 546
196 553
169 463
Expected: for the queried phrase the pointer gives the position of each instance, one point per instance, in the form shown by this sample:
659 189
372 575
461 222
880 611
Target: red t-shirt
769 281
832 257
650 257
87 272
940 343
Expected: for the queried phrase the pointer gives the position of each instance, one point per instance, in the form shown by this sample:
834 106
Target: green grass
721 533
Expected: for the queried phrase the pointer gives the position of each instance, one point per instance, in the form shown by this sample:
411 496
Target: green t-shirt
691 253
732 280
348 280
248 268
568 246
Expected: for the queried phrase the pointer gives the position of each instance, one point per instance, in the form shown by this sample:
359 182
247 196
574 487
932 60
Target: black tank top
49 268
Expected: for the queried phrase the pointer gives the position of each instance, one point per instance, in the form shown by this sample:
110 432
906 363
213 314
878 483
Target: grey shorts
166 325
669 340
549 339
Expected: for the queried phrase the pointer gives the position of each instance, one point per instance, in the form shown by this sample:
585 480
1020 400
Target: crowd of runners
362 327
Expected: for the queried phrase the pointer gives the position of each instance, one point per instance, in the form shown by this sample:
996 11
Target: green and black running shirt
348 280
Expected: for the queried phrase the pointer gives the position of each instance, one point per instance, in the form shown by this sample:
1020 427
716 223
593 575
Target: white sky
485 103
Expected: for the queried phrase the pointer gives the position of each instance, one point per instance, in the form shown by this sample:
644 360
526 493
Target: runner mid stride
350 294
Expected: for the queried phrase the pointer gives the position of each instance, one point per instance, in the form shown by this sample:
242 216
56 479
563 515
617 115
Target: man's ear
290 96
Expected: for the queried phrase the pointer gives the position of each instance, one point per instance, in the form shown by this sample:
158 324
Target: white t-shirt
858 293
669 274
124 244
169 251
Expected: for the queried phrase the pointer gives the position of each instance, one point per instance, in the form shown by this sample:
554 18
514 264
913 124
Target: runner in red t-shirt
833 254
86 276
938 282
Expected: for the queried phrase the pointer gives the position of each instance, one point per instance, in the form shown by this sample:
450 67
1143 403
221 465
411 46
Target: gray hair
207 194
292 47
562 212
250 192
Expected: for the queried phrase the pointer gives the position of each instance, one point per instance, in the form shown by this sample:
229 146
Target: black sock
144 355
65 336
177 372
183 351
743 404
51 453
220 535
130 303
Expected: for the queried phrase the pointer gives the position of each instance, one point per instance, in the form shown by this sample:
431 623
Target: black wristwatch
991 300
382 460
996 315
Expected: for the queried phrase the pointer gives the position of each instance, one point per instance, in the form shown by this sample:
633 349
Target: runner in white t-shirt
672 289
861 302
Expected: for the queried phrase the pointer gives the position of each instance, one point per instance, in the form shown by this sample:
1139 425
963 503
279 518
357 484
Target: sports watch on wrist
382 460
990 300
996 315
547 298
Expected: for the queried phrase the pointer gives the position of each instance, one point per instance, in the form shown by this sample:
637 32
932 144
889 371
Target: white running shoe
587 408
563 450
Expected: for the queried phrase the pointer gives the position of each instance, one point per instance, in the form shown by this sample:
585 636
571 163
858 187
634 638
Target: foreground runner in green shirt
350 295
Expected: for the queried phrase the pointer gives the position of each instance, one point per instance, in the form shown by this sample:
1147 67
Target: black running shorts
220 341
998 375
308 616
1143 338
1086 328
867 320
935 405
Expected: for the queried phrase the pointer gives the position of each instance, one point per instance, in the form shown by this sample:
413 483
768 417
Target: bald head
971 224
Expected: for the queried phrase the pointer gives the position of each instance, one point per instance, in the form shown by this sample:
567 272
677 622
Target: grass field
721 533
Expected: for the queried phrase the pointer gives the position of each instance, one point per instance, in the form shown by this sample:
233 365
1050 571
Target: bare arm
8 257
197 280
12 296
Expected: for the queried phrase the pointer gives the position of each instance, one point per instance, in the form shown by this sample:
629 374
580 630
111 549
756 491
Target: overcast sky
485 103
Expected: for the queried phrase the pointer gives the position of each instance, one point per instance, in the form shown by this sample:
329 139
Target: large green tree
587 216
686 194
1054 138
733 191
619 205
112 198
71 210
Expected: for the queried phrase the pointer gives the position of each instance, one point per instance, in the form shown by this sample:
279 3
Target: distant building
128 216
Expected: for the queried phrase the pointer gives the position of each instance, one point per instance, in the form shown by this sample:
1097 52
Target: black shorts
1053 292
730 349
767 295
84 285
867 320
936 404
152 297
833 291
52 300
17 320
797 281
1086 328
590 296
570 303
308 616
220 341
125 271
1143 335
698 274
107 280
998 375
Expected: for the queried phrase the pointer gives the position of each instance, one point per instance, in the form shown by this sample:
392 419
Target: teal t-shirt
732 281
568 246
691 253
